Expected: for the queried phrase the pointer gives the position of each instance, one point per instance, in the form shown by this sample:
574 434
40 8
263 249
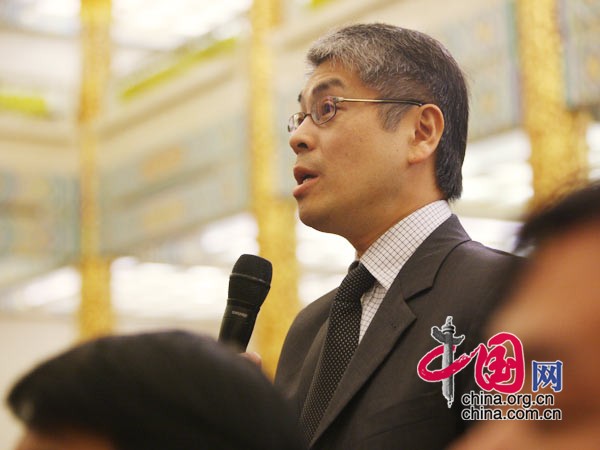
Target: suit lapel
393 317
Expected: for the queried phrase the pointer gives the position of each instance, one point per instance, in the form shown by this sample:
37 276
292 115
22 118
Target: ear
429 126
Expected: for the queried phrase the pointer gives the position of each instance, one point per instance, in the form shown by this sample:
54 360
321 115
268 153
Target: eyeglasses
324 110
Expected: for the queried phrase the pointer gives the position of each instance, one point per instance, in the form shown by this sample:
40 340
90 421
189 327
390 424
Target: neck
375 229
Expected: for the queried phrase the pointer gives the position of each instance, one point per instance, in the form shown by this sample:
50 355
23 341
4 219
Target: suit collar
394 315
419 272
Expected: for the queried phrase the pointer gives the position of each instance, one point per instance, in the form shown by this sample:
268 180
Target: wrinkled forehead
327 79
314 91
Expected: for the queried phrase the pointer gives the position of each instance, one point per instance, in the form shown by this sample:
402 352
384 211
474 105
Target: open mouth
306 178
303 175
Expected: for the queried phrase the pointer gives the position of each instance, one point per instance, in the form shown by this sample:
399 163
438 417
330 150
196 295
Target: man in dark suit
380 143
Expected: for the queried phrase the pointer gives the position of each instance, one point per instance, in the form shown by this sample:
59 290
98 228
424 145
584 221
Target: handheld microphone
249 284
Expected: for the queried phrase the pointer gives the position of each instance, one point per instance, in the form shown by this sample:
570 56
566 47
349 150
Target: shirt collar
388 254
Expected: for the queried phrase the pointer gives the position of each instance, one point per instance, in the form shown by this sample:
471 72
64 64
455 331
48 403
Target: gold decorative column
275 215
557 135
95 313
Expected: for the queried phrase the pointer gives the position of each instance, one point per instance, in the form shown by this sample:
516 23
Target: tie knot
356 283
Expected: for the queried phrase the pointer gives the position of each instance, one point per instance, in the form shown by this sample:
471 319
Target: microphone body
249 284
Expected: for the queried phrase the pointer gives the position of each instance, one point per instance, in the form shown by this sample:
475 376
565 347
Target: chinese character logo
446 337
494 368
546 374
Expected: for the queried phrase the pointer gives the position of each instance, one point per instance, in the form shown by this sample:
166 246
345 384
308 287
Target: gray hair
406 64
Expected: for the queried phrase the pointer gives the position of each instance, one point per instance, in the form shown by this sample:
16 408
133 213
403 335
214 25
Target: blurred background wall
143 149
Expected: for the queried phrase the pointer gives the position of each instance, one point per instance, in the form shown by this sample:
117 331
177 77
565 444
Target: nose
303 138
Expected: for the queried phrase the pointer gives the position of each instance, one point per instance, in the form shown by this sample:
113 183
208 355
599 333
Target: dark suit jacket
381 403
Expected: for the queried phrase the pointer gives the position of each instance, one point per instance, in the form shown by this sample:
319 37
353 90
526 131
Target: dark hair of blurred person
164 390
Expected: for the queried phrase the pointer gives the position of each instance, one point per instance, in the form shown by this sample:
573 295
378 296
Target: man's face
355 166
555 311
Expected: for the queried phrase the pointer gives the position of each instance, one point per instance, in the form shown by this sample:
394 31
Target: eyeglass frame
335 100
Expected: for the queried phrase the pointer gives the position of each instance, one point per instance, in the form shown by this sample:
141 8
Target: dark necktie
340 343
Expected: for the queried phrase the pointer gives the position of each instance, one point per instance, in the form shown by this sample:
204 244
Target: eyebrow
323 86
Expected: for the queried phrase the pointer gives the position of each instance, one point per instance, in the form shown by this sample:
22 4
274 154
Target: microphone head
250 281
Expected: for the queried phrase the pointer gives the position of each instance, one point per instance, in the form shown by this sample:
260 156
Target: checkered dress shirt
388 254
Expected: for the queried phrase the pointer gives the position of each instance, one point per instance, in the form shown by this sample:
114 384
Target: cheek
580 369
348 149
361 161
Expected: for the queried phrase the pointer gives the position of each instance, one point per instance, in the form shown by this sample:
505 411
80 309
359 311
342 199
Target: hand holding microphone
249 284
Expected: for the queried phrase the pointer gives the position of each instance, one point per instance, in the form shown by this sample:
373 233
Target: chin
309 220
312 218
322 223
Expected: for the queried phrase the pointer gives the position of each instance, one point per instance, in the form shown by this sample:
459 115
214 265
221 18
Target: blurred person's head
163 390
555 310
